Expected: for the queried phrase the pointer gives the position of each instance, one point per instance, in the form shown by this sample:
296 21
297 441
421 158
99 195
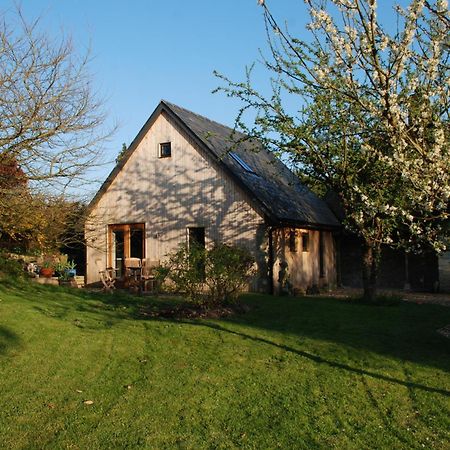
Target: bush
10 267
209 277
228 269
185 272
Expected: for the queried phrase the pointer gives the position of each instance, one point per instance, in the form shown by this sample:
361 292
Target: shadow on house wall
171 195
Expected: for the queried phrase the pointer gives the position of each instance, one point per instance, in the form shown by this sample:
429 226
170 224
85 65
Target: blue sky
144 51
148 50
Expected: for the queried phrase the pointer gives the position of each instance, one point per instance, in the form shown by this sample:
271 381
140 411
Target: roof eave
292 223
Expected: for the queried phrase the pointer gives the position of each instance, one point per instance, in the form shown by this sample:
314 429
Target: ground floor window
196 238
125 241
305 242
321 255
292 240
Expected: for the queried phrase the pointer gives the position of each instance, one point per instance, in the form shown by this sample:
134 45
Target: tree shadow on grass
91 310
67 304
83 308
8 340
406 332
319 359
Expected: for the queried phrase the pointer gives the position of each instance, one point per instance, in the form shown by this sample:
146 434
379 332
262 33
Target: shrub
209 277
185 272
228 269
10 267
161 273
65 270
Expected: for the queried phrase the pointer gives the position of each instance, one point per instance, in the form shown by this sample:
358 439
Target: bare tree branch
51 120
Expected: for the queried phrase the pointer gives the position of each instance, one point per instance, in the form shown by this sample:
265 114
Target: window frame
126 228
305 242
321 255
162 145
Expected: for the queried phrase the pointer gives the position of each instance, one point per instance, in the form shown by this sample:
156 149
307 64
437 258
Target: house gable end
277 194
190 187
125 157
165 108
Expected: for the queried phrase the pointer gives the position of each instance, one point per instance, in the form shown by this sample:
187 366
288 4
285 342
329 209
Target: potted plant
70 269
67 274
47 269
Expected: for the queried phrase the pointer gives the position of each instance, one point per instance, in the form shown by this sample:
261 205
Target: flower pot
71 273
46 272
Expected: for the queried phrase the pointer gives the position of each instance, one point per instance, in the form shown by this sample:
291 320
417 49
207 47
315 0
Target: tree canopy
52 127
52 121
372 116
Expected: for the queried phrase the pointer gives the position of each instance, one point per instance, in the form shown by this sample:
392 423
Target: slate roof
272 186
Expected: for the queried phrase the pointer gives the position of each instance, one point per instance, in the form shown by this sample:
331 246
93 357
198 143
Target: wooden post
407 285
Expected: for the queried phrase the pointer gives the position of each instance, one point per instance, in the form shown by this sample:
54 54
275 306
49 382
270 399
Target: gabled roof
275 189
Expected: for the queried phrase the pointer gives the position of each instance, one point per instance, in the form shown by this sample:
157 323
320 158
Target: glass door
125 241
136 242
118 250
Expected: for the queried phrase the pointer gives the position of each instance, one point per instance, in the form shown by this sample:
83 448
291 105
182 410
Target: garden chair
108 278
148 274
133 273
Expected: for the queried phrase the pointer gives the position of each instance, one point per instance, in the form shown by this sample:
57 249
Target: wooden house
184 178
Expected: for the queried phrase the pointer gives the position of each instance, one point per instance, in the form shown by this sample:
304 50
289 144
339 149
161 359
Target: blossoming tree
372 122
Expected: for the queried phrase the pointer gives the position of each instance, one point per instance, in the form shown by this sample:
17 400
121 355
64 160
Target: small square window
292 241
305 242
165 150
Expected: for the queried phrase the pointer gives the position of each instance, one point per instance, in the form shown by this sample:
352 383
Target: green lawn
292 373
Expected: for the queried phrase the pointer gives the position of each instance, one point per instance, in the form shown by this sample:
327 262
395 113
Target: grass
292 373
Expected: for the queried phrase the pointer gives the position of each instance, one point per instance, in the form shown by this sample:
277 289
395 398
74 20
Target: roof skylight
242 163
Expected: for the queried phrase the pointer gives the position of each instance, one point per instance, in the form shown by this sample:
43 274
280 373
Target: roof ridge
170 104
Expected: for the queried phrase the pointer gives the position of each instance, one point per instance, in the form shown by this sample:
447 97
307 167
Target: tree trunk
407 285
371 258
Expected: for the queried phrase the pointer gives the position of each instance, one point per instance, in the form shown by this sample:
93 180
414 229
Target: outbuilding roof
276 190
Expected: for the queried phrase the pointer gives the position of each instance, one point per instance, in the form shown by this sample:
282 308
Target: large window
196 238
125 241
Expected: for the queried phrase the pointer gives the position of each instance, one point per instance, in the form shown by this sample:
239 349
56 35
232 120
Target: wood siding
168 195
303 267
